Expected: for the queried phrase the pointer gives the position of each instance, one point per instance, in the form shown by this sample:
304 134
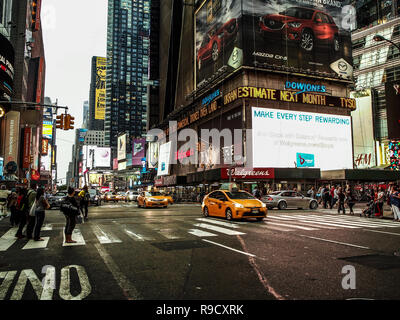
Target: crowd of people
27 207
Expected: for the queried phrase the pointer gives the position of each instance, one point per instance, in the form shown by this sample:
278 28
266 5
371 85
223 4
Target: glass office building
128 33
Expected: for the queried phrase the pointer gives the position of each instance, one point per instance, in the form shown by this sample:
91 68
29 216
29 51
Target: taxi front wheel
228 214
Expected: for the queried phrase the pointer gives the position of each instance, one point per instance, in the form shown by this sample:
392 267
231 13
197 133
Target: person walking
84 197
350 200
30 217
41 206
341 199
4 193
311 192
325 196
395 203
12 204
334 196
69 207
23 211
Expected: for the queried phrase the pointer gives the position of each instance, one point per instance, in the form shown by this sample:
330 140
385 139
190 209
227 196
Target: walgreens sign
248 173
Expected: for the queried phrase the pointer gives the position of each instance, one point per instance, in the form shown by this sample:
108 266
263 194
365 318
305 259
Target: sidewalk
358 207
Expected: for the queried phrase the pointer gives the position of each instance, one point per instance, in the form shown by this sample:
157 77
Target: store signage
45 147
289 96
305 160
207 100
27 148
12 120
35 175
304 87
248 173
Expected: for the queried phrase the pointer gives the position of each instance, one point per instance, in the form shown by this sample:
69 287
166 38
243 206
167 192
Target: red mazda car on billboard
305 26
217 38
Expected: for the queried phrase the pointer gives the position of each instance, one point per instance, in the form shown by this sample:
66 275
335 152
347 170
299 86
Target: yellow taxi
152 199
169 197
233 204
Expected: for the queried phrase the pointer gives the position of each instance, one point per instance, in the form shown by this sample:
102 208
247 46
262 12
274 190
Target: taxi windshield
153 194
240 195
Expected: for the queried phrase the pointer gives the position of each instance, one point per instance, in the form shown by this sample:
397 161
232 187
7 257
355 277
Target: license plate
254 211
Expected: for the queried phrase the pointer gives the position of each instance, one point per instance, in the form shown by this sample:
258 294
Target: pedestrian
350 200
379 201
30 216
41 205
84 197
4 193
23 210
341 199
334 196
69 207
395 203
257 193
311 192
325 196
318 195
12 205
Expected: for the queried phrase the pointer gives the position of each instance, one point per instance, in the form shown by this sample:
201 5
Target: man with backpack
84 197
24 206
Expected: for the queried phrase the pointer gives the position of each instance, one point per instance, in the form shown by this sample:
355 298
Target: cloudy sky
73 32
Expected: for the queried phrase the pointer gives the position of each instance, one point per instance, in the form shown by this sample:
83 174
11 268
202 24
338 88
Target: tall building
377 75
127 70
86 115
97 94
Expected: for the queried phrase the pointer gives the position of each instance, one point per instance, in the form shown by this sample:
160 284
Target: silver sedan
289 199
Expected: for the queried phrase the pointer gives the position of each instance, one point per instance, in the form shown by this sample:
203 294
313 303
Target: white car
132 196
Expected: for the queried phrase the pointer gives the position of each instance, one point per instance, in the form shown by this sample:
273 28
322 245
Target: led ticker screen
394 151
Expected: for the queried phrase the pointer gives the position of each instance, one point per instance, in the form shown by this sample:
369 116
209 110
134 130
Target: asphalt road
176 254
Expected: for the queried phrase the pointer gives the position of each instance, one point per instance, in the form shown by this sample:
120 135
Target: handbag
32 211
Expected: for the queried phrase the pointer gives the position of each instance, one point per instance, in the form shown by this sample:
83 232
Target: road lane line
338 220
353 220
201 233
76 236
218 229
225 224
326 223
128 289
8 239
291 220
337 242
103 237
32 244
229 248
290 226
392 233
277 228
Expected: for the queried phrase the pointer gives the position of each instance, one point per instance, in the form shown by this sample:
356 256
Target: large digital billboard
6 68
293 36
284 139
392 90
100 95
164 160
138 151
102 157
122 147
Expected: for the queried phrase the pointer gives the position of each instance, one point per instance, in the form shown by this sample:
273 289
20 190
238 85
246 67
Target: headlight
263 204
294 24
238 205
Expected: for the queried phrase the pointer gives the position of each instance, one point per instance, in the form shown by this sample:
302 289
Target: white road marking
37 244
221 223
8 239
104 237
392 233
47 227
290 226
65 285
324 223
278 228
130 292
168 233
337 242
137 236
218 229
291 220
229 248
76 236
201 233
370 224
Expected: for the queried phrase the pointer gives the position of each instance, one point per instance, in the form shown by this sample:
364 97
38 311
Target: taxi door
220 204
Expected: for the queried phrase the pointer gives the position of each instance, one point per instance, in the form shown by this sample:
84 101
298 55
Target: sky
73 32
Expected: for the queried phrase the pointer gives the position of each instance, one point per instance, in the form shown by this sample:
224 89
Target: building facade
97 94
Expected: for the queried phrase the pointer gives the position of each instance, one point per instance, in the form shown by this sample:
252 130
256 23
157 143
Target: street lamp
379 38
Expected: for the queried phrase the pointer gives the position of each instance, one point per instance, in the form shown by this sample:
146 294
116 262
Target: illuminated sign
45 147
248 173
100 95
47 129
304 87
122 147
305 160
289 96
27 148
207 100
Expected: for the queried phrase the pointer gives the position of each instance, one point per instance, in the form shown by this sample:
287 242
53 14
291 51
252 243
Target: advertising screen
122 147
6 68
392 90
363 130
138 151
153 154
280 136
45 162
102 157
294 35
88 156
100 95
164 159
47 130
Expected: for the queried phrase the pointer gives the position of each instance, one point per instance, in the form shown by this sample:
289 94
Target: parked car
152 199
234 204
216 39
289 199
110 196
95 197
55 200
305 26
132 195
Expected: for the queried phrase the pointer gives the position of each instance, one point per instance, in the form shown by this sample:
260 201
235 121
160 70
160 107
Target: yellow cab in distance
231 203
169 197
152 199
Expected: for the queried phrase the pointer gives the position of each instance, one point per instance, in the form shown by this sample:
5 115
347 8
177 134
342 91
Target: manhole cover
376 261
180 245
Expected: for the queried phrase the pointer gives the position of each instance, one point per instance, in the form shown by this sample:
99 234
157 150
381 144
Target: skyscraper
127 69
97 99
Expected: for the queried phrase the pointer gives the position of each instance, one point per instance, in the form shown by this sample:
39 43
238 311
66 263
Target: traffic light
60 122
69 122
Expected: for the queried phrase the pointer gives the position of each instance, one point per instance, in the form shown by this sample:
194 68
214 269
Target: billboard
153 154
88 156
279 136
363 130
138 151
45 162
295 35
100 92
122 147
6 68
392 90
164 160
102 157
47 130
12 120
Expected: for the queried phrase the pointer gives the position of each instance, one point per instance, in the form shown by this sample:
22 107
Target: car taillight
269 199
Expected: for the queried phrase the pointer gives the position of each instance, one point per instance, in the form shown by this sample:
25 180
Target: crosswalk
119 232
